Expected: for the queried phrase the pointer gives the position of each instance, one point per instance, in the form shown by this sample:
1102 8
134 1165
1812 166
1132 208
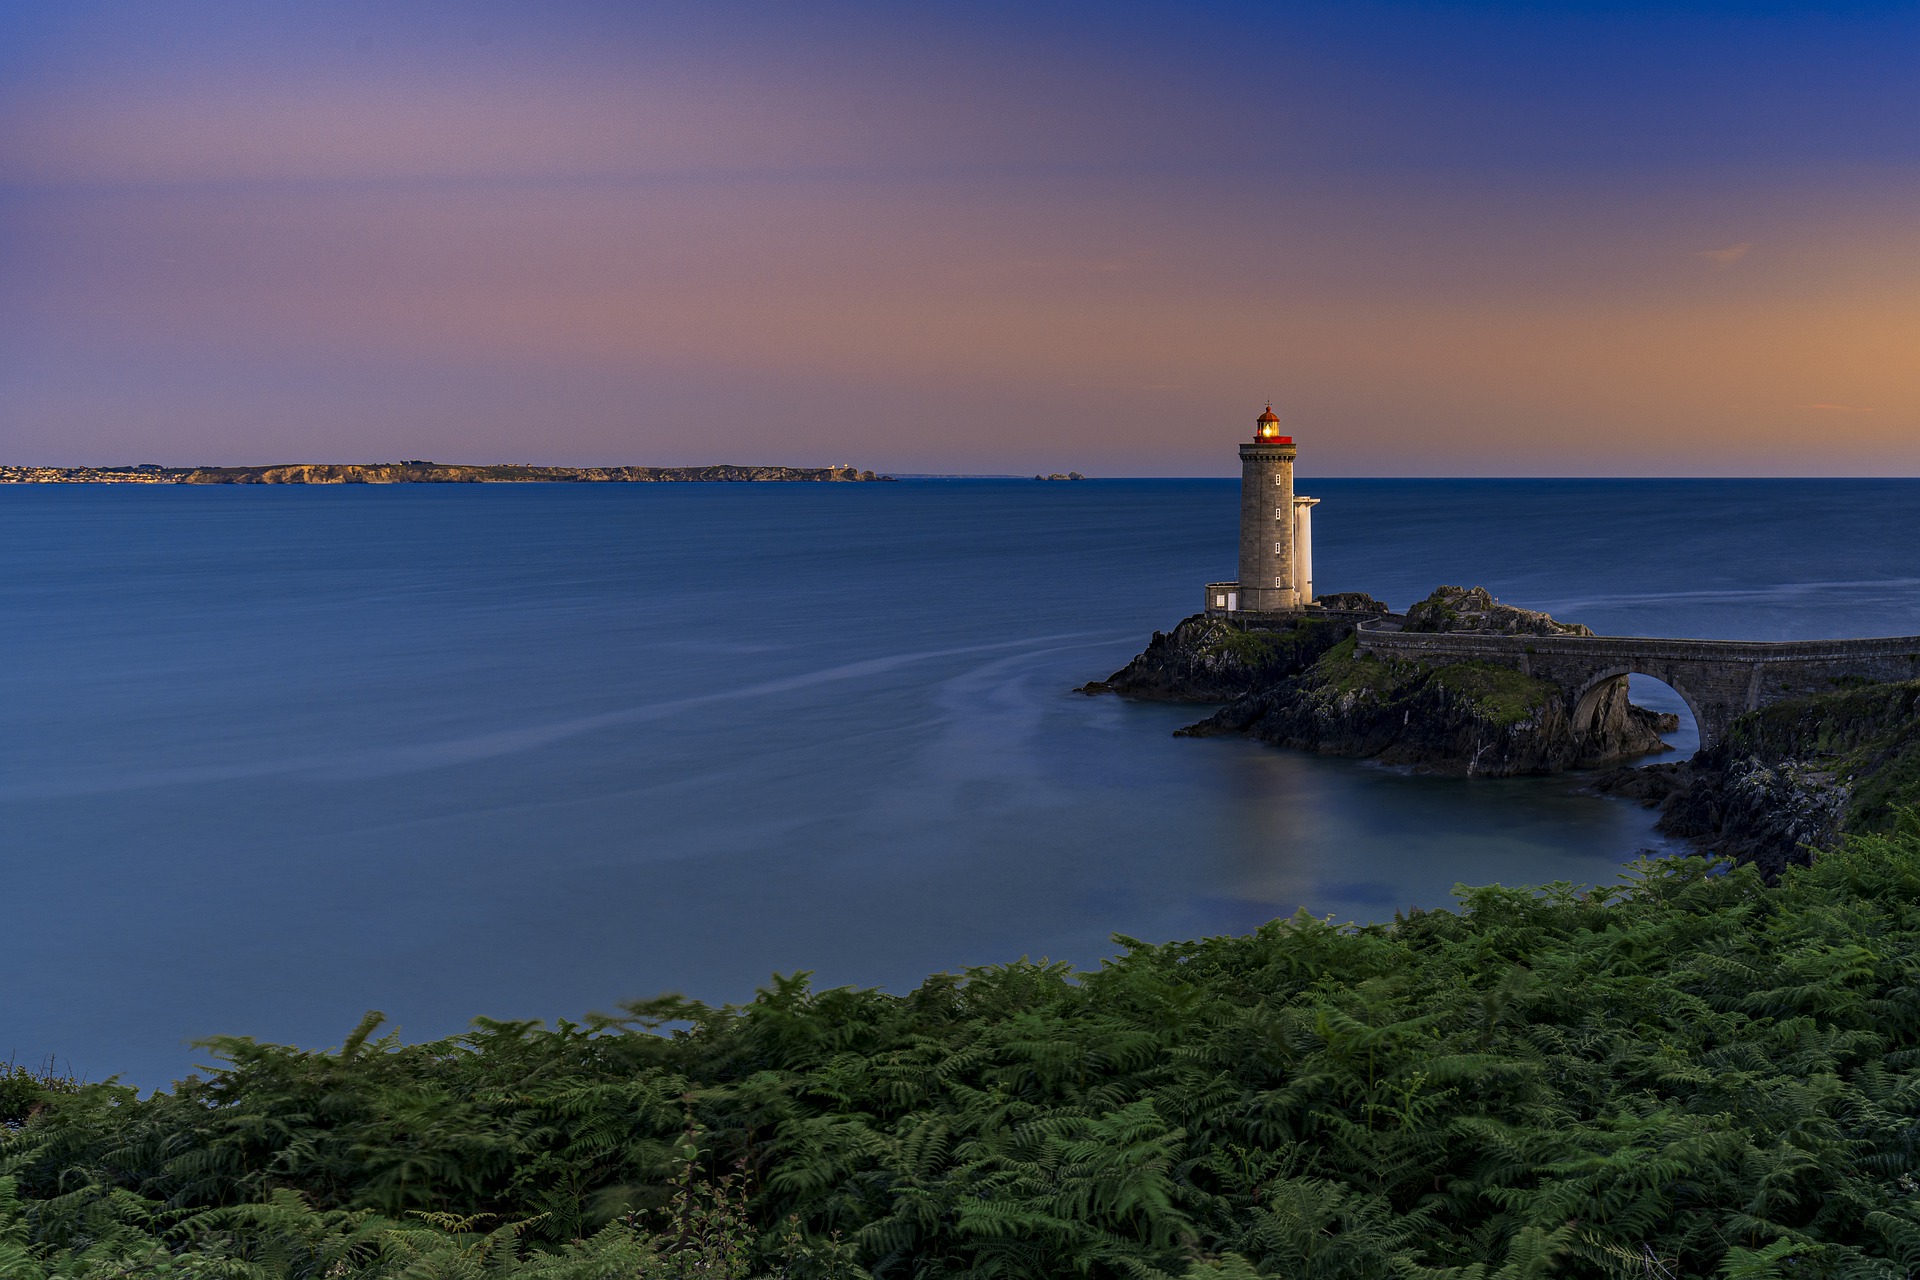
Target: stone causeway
1718 679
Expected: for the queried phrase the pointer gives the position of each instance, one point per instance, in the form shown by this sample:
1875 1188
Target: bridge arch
1591 695
1717 679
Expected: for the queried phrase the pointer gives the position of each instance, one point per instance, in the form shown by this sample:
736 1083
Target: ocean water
271 757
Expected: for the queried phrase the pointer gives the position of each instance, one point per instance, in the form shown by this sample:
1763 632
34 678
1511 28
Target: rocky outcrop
1468 718
1472 609
1308 686
1772 814
415 471
1358 602
1792 778
1212 659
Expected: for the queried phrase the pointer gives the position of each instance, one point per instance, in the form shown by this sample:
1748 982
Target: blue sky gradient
1492 239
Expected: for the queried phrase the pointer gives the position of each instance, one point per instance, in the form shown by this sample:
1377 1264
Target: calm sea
275 756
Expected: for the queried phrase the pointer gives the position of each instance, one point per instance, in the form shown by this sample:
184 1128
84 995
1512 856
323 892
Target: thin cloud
1726 257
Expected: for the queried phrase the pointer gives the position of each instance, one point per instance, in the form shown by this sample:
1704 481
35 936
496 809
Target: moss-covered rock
1214 659
1307 685
1465 718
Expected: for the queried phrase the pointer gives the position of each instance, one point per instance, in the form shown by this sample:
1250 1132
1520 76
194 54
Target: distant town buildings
144 473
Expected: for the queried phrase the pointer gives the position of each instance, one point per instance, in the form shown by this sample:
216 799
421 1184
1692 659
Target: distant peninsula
419 471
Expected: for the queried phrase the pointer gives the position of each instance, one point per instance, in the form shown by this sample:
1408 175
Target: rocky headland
1308 686
1784 781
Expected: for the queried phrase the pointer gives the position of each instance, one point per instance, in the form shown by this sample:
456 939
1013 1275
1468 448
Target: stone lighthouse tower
1266 519
1276 533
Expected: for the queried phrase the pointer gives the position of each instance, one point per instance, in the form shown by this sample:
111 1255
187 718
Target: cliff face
1209 659
454 473
1465 719
1309 687
1792 777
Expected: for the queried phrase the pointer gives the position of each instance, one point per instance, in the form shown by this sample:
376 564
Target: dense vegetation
1698 1074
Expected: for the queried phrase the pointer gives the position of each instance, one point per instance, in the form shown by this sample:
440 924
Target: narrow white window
1276 548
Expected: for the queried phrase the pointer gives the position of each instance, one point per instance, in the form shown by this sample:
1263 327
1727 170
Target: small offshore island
420 471
1801 742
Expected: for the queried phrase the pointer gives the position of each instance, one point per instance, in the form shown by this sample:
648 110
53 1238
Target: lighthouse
1276 529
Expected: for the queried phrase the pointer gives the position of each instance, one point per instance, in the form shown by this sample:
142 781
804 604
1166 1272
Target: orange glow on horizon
937 255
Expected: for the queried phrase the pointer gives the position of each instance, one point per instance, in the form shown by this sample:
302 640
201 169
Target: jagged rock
1650 784
1792 778
1308 686
1771 814
1467 718
1212 659
1473 609
1351 602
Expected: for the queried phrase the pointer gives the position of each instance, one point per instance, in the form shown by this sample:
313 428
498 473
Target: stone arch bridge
1719 679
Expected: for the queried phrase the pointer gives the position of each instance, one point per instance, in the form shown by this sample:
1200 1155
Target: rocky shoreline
1308 687
1792 778
1787 780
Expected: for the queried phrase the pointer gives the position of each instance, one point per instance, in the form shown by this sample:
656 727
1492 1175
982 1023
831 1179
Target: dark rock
1306 685
1467 718
1213 659
1770 814
1351 602
1473 609
1792 778
1649 784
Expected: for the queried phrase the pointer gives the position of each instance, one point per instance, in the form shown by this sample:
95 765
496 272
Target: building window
1219 602
1276 548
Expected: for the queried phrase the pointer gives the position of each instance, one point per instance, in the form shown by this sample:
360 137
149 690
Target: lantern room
1266 429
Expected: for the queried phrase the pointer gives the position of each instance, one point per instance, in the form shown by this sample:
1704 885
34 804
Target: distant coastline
418 471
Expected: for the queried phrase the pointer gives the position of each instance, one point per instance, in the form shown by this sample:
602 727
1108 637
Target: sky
1443 239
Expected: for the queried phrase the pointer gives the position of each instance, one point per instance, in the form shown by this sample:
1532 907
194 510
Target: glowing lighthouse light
1266 428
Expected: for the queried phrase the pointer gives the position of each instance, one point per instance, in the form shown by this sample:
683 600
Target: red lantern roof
1266 429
